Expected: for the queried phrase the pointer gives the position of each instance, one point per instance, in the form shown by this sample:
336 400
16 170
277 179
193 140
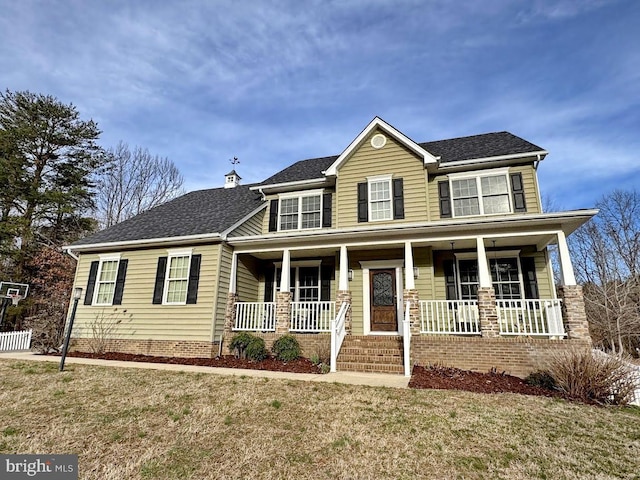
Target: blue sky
273 82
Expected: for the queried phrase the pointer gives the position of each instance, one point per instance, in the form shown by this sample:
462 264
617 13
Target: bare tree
606 254
134 182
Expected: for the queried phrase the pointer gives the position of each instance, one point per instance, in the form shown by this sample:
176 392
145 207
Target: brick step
369 367
381 360
369 351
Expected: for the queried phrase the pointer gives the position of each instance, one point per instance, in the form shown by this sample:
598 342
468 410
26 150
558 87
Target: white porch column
343 282
286 268
483 266
409 281
234 273
567 277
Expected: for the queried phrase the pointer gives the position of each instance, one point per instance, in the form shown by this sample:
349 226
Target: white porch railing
338 332
255 316
530 317
455 317
406 337
14 341
312 316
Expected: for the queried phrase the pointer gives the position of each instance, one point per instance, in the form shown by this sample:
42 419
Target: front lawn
144 424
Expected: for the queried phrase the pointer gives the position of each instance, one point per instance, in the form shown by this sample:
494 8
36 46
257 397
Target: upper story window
380 198
487 192
301 212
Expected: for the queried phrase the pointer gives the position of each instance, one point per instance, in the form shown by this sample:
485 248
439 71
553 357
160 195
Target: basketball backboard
9 289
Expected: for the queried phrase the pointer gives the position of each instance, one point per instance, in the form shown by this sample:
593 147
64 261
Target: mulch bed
302 365
447 378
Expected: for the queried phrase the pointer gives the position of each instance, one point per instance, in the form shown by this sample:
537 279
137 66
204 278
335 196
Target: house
389 254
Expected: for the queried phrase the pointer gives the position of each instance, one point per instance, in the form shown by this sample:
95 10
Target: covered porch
443 284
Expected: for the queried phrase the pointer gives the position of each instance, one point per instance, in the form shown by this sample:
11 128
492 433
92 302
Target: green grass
145 424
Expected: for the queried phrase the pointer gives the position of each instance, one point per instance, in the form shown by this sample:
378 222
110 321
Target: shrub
286 348
541 378
239 343
256 349
593 377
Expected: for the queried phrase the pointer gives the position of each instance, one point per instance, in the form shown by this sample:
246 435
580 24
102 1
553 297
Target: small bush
239 343
286 348
256 349
589 377
541 378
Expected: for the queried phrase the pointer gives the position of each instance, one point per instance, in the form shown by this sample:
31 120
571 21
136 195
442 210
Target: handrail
338 332
406 336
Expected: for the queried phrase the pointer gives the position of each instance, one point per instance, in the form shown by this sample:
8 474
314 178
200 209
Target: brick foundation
488 313
158 348
573 312
310 343
515 356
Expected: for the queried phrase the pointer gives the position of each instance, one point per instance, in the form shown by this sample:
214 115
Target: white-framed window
177 277
380 198
506 277
106 280
486 193
299 212
305 281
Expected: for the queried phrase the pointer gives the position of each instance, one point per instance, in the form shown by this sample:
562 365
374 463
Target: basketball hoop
15 298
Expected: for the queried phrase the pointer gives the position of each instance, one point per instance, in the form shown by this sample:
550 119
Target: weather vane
235 161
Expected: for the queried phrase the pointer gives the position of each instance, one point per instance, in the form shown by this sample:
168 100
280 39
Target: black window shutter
91 283
445 199
363 202
122 274
519 204
398 199
326 272
194 279
158 290
273 215
326 210
268 284
450 279
529 276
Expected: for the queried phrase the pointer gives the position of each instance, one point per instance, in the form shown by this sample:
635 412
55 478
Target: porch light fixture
416 272
350 274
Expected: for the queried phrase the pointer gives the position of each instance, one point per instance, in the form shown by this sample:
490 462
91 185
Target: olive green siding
529 182
148 321
392 159
252 226
224 273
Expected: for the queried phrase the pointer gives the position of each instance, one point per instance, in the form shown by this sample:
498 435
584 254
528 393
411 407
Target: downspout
71 254
264 197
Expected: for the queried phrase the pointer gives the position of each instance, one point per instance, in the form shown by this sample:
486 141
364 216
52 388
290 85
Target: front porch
418 291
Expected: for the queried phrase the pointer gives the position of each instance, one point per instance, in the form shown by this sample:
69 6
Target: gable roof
474 147
486 145
201 212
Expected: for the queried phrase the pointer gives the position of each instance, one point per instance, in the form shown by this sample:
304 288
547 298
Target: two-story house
389 254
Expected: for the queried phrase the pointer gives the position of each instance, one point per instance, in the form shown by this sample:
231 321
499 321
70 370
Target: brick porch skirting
158 348
310 343
515 356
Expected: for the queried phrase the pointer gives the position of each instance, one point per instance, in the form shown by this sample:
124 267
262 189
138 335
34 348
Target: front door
384 315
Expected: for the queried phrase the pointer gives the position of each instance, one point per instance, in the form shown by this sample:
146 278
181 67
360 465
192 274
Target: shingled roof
455 149
199 212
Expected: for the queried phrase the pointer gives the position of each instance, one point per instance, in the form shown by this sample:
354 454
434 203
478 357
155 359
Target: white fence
312 316
530 317
13 341
255 316
449 317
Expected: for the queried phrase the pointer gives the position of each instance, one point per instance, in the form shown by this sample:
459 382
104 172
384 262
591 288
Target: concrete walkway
351 378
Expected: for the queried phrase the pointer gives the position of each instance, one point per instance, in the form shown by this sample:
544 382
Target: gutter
69 252
150 242
540 155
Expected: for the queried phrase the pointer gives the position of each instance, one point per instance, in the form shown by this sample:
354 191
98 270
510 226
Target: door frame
366 293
